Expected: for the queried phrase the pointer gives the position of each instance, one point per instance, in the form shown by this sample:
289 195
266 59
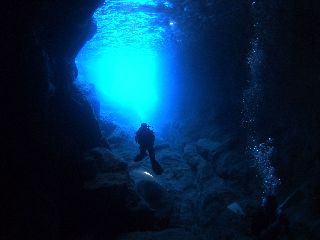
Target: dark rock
210 150
102 160
232 166
48 125
168 157
107 126
162 146
206 173
109 202
118 137
71 115
168 234
187 209
156 196
214 205
192 157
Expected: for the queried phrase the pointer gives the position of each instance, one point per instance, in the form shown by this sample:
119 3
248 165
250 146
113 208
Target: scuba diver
145 138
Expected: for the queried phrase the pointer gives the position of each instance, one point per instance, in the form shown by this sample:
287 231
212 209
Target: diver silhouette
145 138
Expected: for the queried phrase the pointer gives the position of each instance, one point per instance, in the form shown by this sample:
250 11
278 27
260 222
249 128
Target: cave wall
47 123
290 110
215 73
45 117
290 113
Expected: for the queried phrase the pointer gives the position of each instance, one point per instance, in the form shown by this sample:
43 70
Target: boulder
161 146
236 208
156 196
118 137
101 160
231 166
109 202
213 205
153 193
192 157
211 150
207 149
107 126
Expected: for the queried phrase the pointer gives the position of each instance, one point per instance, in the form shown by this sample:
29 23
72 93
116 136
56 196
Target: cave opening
238 78
124 70
151 61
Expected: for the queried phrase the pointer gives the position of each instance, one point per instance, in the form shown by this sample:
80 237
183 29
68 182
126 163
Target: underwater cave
155 119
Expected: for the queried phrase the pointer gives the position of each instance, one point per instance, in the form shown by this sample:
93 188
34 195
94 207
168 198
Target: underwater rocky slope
59 179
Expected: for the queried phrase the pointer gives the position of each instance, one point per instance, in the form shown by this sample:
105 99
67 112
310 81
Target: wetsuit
145 138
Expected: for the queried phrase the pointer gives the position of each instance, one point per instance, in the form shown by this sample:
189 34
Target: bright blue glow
168 4
122 59
128 78
141 2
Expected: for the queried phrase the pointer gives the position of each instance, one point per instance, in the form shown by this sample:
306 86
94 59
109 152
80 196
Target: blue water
123 59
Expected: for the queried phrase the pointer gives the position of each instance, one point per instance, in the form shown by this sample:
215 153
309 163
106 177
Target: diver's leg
152 154
141 155
155 165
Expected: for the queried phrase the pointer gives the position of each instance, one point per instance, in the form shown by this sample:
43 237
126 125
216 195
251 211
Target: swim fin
157 169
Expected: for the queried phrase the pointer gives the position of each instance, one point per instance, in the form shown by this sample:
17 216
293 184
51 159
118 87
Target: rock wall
216 72
290 112
48 125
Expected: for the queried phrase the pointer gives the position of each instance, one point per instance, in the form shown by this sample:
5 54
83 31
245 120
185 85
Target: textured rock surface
48 125
170 234
108 203
202 180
